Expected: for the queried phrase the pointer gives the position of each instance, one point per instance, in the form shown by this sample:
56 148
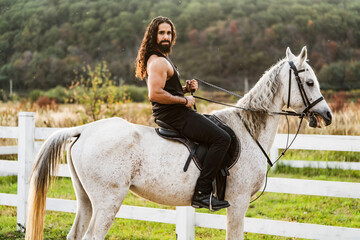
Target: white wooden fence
186 218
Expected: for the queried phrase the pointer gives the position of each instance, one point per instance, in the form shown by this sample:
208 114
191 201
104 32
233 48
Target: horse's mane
261 98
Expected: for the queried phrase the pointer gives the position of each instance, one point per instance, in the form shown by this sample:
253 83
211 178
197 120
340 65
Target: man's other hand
191 101
191 85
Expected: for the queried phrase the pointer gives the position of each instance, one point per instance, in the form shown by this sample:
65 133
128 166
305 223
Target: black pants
200 129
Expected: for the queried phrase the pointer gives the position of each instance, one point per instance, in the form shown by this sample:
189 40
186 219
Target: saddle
199 150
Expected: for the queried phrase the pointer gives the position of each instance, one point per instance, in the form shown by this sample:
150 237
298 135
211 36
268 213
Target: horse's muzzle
316 117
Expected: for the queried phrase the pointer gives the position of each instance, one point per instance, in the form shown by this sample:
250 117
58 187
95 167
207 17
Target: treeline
43 43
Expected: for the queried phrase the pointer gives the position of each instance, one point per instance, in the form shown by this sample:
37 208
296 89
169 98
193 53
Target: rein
305 112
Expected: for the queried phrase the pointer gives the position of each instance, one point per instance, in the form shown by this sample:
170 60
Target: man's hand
191 85
191 101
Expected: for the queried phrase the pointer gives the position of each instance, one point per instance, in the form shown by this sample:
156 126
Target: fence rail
186 218
261 226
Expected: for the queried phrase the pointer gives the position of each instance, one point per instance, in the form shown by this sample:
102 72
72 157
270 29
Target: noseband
304 97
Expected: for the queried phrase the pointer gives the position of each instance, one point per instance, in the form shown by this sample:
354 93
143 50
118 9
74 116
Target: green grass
287 207
8 184
326 174
315 155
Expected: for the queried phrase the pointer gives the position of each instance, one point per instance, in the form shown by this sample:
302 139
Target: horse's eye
310 82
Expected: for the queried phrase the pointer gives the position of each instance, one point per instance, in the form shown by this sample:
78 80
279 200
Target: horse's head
302 90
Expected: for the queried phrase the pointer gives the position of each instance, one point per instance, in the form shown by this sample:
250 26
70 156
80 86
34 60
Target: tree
221 41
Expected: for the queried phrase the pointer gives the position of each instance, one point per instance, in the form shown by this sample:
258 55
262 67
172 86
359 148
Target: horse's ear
303 55
289 55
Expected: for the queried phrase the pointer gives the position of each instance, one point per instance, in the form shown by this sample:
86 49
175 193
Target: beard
164 48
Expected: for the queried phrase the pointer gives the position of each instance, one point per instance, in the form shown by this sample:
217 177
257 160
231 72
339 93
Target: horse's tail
49 156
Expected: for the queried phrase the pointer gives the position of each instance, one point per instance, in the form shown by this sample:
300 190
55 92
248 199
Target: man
171 106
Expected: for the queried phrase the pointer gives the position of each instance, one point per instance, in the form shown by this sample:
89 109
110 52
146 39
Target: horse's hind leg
106 204
84 209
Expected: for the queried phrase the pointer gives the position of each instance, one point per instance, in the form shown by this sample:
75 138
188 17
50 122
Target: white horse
109 157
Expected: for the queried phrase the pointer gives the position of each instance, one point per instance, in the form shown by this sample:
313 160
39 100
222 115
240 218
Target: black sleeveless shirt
172 86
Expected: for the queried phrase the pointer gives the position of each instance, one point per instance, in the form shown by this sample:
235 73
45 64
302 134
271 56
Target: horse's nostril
328 118
329 115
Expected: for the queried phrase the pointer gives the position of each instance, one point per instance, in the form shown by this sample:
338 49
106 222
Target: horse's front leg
236 217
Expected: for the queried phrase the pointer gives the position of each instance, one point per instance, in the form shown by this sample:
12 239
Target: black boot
201 200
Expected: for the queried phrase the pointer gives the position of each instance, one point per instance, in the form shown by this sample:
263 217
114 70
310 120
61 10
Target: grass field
298 208
305 209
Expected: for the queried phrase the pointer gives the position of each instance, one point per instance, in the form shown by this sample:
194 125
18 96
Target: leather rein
304 97
305 112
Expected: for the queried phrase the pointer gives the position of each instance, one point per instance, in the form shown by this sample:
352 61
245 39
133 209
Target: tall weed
94 89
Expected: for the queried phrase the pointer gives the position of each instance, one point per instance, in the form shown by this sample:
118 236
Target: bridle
304 97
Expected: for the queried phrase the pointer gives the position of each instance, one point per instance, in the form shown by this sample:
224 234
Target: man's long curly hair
149 44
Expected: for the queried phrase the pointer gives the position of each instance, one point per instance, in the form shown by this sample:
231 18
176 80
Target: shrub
59 94
136 94
35 94
46 102
3 95
338 101
14 97
94 89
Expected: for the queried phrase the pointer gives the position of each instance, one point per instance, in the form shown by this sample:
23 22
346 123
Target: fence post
26 155
185 223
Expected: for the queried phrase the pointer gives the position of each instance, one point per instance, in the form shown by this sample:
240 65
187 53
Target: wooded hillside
42 42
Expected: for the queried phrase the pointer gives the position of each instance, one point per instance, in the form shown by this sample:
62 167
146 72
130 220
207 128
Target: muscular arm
158 70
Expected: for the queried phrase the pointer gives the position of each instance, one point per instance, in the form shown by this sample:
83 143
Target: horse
109 157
